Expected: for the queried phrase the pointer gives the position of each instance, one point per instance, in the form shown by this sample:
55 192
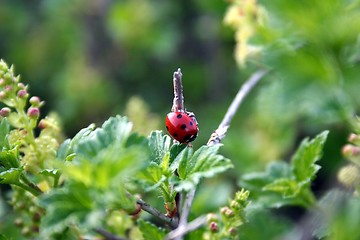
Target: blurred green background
90 59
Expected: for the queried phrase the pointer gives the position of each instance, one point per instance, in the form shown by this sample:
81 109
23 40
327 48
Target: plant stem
30 185
178 103
27 188
187 206
220 132
181 231
107 235
172 222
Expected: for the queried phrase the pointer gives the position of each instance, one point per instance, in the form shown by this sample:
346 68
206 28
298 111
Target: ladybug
182 126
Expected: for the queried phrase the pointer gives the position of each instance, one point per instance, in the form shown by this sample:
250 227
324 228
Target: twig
186 207
216 138
220 132
178 103
184 229
107 235
172 222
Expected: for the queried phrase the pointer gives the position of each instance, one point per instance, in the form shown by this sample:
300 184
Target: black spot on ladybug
187 138
179 115
191 123
167 128
192 138
183 126
175 134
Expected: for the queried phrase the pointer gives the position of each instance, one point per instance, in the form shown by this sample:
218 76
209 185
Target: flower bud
227 212
19 222
349 176
33 112
2 95
211 217
233 231
22 94
213 227
21 86
35 101
8 88
5 111
43 124
26 231
350 150
2 82
354 138
242 195
234 204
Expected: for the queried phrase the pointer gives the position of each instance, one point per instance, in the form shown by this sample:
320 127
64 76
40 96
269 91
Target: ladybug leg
189 145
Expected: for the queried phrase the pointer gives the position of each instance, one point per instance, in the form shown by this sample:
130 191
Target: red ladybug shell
181 126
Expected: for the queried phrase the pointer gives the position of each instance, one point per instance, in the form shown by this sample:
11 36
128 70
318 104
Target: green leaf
105 156
49 172
152 176
276 200
306 156
159 145
182 162
11 176
151 231
109 167
67 206
114 131
175 150
67 147
285 186
4 131
274 170
10 158
205 162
